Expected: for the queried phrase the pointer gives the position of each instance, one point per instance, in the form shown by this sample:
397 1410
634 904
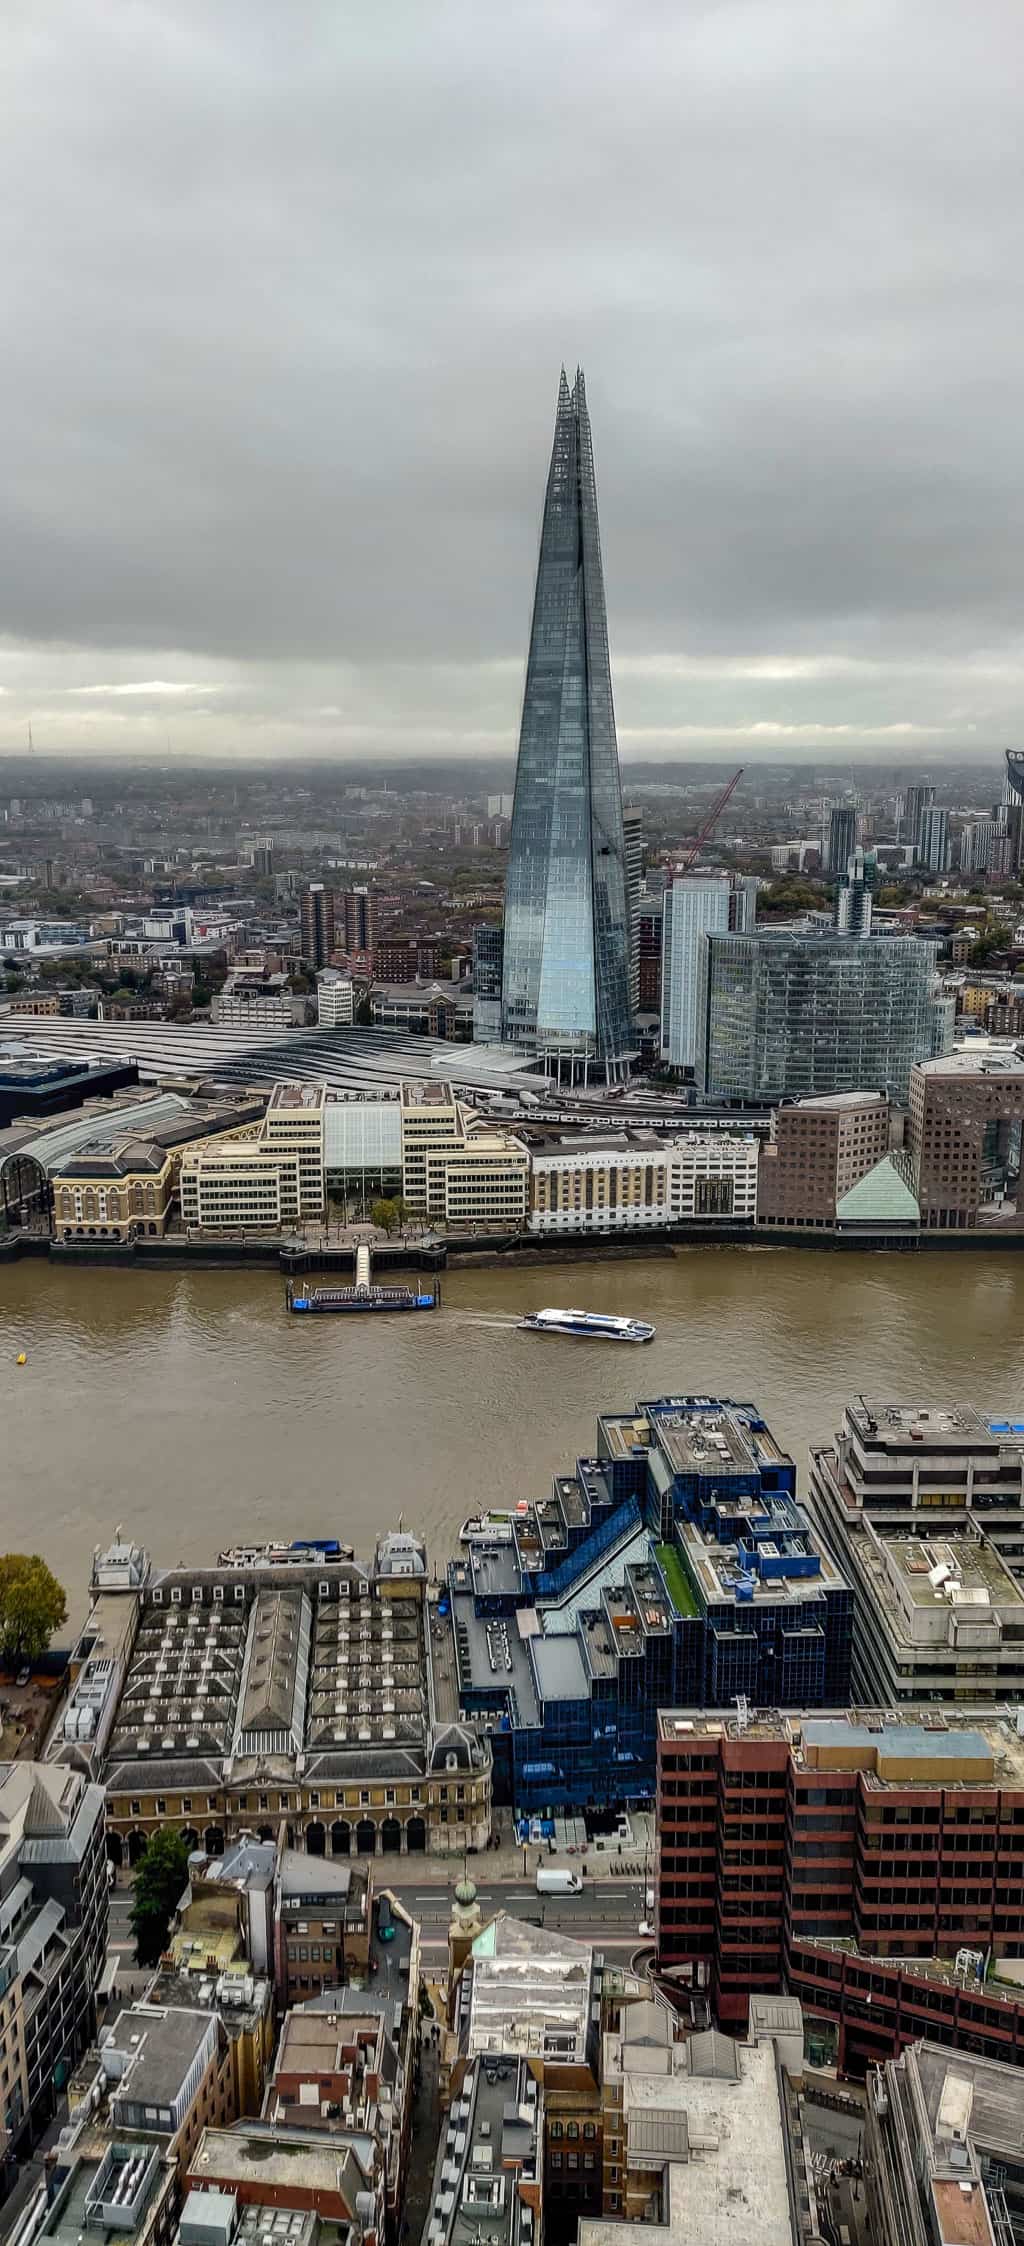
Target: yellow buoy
22 1360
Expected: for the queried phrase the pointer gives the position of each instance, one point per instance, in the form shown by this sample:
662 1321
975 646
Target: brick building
818 1150
849 1835
964 1136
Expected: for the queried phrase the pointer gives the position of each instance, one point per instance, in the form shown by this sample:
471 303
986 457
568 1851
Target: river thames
191 1409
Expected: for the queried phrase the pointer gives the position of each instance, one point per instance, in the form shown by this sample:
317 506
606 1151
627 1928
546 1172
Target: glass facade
795 1016
565 988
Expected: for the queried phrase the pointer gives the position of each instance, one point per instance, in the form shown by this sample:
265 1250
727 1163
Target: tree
32 1607
160 1878
385 1214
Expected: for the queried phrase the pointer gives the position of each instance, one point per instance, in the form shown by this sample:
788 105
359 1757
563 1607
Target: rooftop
961 1745
157 2045
969 1062
308 1097
530 1993
718 2130
491 2147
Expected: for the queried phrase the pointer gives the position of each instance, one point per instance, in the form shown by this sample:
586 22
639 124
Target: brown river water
191 1409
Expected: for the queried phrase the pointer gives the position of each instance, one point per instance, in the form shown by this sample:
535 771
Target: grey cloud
286 292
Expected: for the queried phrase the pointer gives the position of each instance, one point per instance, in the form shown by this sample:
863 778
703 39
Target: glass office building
565 987
795 1016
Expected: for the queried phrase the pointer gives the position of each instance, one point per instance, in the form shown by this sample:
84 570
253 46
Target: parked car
24 1675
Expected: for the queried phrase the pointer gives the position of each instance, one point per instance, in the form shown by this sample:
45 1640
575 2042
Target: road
608 1913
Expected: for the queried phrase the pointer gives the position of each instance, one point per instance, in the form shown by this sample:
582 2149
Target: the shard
565 988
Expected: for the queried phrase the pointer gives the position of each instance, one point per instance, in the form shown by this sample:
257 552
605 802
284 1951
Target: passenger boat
586 1325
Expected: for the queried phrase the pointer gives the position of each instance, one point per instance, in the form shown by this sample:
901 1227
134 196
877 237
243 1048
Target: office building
316 924
335 1000
241 1185
943 2150
677 1552
899 1836
294 1125
53 1933
499 807
916 802
913 1469
818 1150
853 898
937 1617
933 839
355 920
840 840
633 837
254 1001
565 991
693 907
488 953
636 1180
797 1015
964 1139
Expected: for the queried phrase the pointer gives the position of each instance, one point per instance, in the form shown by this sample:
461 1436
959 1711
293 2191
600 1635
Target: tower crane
710 823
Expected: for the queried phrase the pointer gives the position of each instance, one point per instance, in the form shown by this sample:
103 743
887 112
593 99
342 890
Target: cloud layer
286 295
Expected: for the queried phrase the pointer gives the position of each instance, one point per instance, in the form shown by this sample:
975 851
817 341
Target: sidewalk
608 1858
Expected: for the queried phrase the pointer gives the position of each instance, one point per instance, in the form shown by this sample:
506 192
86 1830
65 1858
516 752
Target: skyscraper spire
565 992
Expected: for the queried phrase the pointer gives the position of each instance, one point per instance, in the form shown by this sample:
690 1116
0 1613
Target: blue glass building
676 1568
565 987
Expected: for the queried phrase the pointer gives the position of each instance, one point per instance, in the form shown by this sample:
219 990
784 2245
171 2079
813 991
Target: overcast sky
286 288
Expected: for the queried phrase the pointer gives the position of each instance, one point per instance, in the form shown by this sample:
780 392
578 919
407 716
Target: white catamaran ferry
586 1325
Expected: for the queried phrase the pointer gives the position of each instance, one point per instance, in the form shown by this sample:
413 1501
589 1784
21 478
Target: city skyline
281 318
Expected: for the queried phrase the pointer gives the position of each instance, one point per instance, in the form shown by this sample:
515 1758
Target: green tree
386 1215
160 1878
32 1607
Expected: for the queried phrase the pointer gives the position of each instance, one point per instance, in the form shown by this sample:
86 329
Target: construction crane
710 823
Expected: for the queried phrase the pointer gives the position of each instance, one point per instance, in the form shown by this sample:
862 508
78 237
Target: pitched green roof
882 1197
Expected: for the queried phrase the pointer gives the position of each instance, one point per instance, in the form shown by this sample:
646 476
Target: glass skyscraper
565 987
798 1016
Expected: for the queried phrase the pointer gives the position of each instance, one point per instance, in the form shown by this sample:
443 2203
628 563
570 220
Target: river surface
191 1409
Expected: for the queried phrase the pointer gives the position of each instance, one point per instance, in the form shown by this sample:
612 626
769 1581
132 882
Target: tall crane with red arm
710 823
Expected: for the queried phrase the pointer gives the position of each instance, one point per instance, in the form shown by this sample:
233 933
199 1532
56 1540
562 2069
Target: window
364 1800
218 1594
264 1800
161 1806
186 1803
136 1809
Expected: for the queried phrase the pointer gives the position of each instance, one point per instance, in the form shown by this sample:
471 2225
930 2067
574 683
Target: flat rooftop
896 1424
968 1062
929 1735
276 2158
308 1097
976 1566
728 2177
162 2045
